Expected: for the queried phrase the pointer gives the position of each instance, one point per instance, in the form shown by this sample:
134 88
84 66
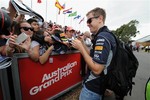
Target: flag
73 14
67 11
64 5
57 4
77 17
81 20
39 1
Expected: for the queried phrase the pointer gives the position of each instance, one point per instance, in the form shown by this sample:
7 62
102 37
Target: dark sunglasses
27 28
90 19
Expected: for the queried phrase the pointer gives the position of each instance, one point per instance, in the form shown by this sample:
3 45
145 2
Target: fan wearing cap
70 36
61 44
70 33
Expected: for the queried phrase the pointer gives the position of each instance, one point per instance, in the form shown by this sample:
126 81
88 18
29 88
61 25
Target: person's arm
95 67
20 18
12 11
86 48
2 48
10 47
9 51
6 50
43 58
34 53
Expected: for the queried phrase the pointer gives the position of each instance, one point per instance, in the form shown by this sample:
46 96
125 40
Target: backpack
122 69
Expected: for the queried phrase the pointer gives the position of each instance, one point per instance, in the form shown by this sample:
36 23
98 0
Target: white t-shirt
42 48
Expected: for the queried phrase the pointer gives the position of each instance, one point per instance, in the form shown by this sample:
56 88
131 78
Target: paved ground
143 73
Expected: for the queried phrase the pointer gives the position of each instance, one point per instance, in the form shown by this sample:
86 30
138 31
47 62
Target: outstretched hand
77 44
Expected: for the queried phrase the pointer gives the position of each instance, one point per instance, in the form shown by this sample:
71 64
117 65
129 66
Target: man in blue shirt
99 57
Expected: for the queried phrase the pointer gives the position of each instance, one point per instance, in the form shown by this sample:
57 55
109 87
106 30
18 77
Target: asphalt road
138 91
142 75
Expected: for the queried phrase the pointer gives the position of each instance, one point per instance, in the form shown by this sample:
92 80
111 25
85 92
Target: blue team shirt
100 53
104 43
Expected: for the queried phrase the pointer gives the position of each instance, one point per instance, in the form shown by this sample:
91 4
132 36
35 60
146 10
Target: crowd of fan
43 39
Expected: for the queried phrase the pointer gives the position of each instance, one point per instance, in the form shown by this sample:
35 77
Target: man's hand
77 44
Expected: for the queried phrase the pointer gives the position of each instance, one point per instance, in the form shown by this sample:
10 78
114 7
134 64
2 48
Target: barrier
33 81
4 86
1 94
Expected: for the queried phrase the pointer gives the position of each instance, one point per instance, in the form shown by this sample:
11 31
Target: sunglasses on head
27 28
90 19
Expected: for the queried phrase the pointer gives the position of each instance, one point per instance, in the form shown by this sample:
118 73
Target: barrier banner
40 82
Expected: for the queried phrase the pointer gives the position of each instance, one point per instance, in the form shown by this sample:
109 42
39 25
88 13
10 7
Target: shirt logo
99 43
98 48
96 56
100 40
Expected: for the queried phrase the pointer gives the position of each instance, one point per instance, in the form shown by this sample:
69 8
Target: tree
126 31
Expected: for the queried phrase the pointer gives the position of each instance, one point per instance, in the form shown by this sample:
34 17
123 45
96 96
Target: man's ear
100 18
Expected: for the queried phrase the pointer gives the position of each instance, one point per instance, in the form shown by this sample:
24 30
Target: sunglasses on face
89 21
27 28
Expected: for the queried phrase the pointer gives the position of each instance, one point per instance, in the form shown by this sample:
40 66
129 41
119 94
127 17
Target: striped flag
67 11
81 20
64 5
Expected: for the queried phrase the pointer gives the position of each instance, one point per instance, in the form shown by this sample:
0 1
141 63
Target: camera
21 38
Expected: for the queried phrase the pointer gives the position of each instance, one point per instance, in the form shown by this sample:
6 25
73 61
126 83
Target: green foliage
126 31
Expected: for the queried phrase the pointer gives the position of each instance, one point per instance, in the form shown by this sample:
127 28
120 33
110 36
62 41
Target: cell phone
21 38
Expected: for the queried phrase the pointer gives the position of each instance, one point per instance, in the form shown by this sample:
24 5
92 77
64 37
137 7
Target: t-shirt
42 49
101 53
